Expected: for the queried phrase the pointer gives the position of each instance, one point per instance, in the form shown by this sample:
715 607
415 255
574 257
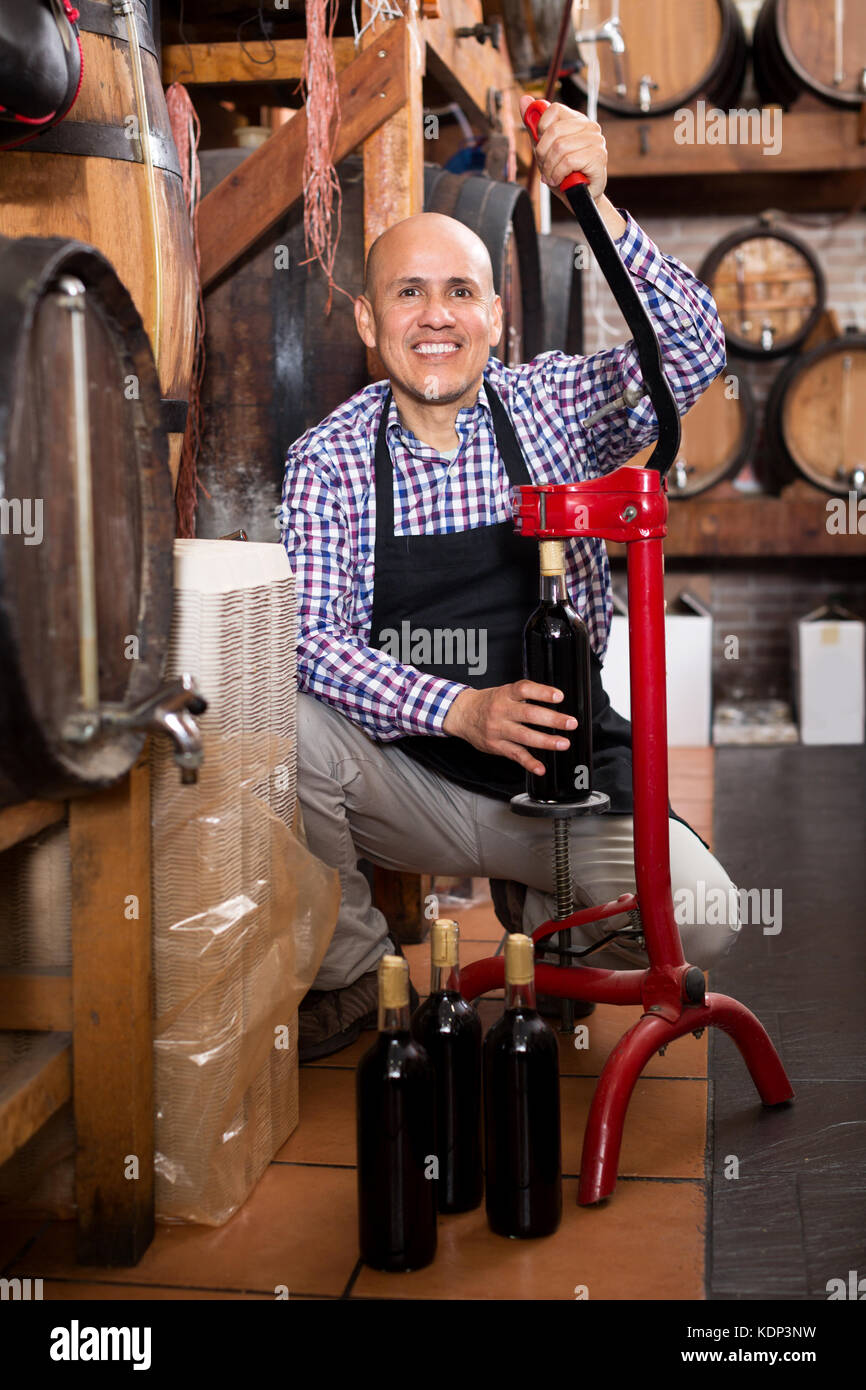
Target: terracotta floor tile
346 1057
686 1057
326 1131
299 1228
478 923
692 762
665 1130
68 1291
647 1242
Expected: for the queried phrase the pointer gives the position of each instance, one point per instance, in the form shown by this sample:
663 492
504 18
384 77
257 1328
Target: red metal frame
629 505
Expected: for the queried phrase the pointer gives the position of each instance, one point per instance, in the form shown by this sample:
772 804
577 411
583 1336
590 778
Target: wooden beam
220 64
707 527
243 206
401 897
32 1089
36 999
112 998
811 142
19 822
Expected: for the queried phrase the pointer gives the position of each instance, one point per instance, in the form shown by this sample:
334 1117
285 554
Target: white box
689 659
828 675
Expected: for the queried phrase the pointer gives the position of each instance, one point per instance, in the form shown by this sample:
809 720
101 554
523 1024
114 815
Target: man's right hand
497 721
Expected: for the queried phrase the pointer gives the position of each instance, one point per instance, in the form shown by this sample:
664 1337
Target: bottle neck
393 1020
553 588
444 977
519 996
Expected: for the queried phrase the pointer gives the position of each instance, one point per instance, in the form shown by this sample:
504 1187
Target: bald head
407 240
430 310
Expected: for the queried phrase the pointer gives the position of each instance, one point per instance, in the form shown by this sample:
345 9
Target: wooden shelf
811 141
17 823
708 527
32 1089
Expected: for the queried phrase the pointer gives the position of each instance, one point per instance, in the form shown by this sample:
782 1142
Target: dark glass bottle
521 1108
396 1136
556 652
448 1028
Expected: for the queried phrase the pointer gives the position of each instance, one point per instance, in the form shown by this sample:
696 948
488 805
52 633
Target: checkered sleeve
691 340
335 664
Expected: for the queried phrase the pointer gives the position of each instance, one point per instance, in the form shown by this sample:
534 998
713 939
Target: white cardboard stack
226 1097
829 683
689 661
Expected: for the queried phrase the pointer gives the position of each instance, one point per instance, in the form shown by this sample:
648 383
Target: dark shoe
508 899
550 1007
331 1019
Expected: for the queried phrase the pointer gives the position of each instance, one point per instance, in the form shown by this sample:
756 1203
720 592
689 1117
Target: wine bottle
448 1028
521 1108
556 652
396 1136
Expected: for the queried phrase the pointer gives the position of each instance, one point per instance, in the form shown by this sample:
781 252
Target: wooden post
112 1000
394 154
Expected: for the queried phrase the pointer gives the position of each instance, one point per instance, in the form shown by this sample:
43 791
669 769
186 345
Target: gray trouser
363 799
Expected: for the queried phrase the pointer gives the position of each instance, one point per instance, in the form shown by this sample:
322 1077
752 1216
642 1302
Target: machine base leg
603 1137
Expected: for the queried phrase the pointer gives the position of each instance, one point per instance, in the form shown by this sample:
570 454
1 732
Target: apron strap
506 442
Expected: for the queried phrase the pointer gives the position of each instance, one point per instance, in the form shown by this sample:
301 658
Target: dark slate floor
795 819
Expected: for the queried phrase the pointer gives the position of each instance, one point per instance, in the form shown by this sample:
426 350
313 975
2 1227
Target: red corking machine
629 505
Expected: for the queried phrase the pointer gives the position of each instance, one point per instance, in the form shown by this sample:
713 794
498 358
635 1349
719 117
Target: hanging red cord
322 193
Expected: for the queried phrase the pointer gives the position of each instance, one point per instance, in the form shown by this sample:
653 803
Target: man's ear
496 321
365 321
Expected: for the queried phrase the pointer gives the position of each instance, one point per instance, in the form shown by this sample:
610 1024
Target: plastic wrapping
229 975
242 912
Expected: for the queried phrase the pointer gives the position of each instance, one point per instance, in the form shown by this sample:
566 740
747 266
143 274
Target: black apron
483 578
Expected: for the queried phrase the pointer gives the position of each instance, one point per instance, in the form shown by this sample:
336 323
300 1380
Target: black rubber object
593 805
694 988
634 312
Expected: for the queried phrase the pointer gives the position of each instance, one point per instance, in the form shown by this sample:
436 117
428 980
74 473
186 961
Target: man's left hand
569 143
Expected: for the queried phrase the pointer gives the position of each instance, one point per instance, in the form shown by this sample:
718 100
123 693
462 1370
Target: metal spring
636 921
562 868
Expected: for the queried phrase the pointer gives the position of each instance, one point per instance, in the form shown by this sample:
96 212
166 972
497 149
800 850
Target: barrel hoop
101 19
102 141
174 413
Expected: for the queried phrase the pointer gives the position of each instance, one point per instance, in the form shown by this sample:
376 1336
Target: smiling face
429 308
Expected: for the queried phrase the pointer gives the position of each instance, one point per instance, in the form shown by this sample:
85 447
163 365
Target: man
397 521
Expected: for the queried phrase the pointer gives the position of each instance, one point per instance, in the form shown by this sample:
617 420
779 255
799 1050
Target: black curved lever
631 306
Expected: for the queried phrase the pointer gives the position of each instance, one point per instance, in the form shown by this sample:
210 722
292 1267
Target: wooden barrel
562 294
816 46
501 214
769 289
718 435
86 179
76 383
816 417
675 50
274 363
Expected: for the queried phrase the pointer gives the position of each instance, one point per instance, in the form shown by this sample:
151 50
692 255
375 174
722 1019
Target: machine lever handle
630 304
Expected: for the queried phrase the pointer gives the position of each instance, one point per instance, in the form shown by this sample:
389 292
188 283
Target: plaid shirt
329 498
